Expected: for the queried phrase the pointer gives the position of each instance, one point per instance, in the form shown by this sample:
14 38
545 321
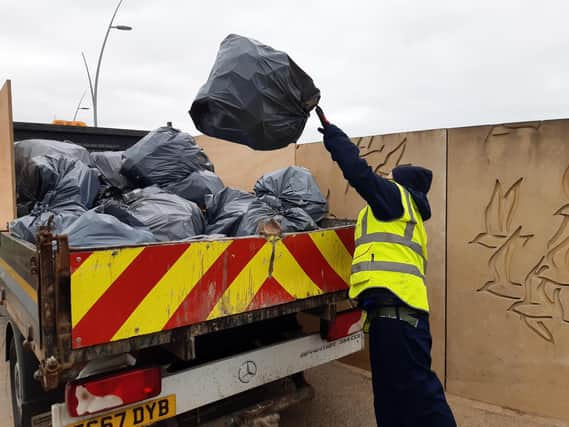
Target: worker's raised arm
381 195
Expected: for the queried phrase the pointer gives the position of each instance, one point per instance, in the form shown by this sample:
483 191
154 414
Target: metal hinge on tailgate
55 308
34 266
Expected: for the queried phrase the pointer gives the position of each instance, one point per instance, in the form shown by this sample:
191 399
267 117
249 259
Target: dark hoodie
381 195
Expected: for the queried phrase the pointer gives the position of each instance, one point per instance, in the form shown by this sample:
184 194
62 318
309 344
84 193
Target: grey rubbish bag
294 186
109 164
57 180
26 149
95 229
24 208
259 212
168 216
120 211
164 156
63 189
255 96
225 209
27 227
196 186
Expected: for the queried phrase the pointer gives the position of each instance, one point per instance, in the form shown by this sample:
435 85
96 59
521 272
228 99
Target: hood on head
417 180
413 177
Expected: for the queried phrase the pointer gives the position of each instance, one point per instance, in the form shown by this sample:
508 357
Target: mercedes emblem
247 371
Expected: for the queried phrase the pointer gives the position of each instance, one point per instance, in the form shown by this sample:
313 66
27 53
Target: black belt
404 313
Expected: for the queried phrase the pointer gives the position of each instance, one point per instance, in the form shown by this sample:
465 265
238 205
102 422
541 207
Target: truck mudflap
115 293
202 385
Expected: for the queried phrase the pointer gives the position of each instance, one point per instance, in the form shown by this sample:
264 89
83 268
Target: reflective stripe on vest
391 238
395 267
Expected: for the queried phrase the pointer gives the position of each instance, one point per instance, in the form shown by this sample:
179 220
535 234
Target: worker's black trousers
407 393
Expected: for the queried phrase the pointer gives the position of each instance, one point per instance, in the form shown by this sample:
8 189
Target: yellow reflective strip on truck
171 290
291 276
334 251
243 289
94 276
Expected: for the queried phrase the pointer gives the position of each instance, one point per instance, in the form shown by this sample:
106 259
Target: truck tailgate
122 293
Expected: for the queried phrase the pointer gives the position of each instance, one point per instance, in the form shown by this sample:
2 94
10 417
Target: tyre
16 388
28 398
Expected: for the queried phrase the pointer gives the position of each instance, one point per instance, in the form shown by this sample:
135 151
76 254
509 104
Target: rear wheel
28 398
16 387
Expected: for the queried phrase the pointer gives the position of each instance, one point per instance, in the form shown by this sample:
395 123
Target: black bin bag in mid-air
255 96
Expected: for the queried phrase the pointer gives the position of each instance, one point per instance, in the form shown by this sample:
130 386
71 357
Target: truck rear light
89 396
345 323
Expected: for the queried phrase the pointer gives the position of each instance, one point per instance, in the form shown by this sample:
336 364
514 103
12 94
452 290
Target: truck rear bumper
211 382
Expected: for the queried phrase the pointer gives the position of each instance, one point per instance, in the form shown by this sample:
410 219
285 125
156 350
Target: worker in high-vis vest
388 281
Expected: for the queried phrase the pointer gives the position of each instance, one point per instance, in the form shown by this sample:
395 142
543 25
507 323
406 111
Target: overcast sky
382 66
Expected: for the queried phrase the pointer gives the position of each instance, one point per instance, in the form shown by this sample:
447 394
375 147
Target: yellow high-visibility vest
392 254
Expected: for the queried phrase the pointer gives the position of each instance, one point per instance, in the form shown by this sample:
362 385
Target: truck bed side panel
118 294
19 283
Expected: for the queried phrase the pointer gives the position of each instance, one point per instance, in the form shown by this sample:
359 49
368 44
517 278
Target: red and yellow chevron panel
121 293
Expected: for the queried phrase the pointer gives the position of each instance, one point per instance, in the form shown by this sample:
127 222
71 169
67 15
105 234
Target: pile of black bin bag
163 188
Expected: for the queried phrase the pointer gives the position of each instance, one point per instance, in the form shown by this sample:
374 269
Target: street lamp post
93 88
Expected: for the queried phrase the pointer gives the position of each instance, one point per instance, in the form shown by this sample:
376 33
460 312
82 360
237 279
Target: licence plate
134 416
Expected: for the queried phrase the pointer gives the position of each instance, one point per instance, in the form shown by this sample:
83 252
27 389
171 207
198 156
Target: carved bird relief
392 159
498 216
538 316
381 160
503 284
542 299
565 182
547 296
556 262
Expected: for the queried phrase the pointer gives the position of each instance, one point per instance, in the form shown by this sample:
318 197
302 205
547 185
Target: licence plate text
134 416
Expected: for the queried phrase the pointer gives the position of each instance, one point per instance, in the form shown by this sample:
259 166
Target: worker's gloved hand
333 135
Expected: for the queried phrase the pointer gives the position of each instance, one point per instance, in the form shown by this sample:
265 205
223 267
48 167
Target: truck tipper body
124 336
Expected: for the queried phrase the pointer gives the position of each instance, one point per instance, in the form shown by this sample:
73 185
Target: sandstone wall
239 166
508 265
